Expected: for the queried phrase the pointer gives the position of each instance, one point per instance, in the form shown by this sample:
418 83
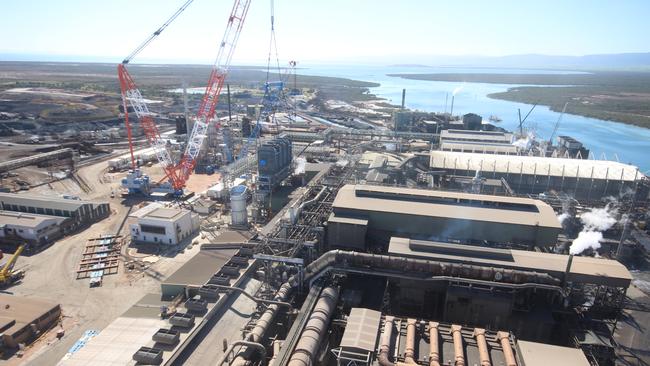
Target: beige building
157 224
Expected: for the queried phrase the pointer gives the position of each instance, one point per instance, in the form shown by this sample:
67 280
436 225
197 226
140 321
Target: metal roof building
450 216
476 136
80 212
533 174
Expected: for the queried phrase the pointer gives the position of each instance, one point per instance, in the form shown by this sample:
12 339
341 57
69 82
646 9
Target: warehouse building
31 228
580 178
78 213
23 319
364 214
157 224
464 136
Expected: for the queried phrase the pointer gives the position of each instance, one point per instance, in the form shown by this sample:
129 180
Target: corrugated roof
27 219
495 136
467 206
361 330
44 201
539 354
535 165
583 269
478 147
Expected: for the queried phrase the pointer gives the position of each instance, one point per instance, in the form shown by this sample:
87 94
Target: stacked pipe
317 325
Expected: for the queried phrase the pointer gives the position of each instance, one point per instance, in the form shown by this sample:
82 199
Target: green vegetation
614 96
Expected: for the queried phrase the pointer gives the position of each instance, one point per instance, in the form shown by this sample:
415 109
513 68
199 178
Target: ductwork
459 353
293 216
384 349
409 351
317 325
434 353
414 268
342 260
481 342
504 338
266 319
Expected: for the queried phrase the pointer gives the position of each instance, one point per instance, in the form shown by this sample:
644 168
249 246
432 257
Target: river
612 140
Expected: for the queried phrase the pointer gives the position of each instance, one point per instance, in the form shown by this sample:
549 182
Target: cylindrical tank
239 215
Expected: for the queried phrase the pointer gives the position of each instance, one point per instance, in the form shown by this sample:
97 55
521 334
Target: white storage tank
239 215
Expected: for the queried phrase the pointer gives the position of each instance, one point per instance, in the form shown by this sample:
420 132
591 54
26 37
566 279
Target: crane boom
132 95
210 99
157 32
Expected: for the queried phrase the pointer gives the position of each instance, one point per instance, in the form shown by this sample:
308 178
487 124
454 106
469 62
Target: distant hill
627 61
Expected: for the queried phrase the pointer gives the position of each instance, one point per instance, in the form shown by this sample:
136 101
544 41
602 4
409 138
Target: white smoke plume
561 217
524 143
457 90
342 163
586 240
300 166
599 219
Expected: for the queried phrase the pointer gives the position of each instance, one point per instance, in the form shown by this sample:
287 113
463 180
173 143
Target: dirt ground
51 274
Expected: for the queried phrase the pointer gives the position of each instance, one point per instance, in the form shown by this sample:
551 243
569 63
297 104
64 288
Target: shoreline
622 97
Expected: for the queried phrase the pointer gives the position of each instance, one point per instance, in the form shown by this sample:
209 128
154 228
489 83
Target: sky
401 31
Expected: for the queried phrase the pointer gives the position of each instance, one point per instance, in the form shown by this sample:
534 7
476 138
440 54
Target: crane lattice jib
131 96
210 99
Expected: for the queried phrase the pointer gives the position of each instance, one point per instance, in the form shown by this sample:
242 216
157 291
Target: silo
239 215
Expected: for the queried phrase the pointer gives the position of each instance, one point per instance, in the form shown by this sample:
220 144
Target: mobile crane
7 274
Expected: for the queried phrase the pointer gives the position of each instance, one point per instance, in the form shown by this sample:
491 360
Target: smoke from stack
300 166
586 240
595 222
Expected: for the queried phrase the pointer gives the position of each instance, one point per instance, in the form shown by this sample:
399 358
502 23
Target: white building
31 228
155 223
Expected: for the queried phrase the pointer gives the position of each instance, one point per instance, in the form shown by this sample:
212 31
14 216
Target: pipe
267 318
434 353
409 351
307 204
344 259
568 268
385 342
504 338
484 354
459 354
277 345
312 336
256 299
258 347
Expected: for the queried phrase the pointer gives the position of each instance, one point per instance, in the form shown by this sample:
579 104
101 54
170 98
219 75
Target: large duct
387 265
312 336
344 260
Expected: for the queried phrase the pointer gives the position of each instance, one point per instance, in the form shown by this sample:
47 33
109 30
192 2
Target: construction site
282 232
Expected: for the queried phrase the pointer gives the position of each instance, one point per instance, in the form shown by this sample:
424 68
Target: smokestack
446 100
568 268
452 105
624 235
403 97
229 112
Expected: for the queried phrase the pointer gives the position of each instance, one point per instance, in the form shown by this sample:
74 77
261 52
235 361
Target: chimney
568 268
452 105
403 97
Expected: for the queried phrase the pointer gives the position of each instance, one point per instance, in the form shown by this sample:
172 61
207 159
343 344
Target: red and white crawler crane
178 174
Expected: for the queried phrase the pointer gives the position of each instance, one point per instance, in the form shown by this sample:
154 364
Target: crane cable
157 32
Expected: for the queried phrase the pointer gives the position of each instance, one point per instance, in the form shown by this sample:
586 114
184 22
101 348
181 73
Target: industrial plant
279 231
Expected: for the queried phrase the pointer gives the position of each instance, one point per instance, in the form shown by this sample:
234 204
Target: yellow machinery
7 274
